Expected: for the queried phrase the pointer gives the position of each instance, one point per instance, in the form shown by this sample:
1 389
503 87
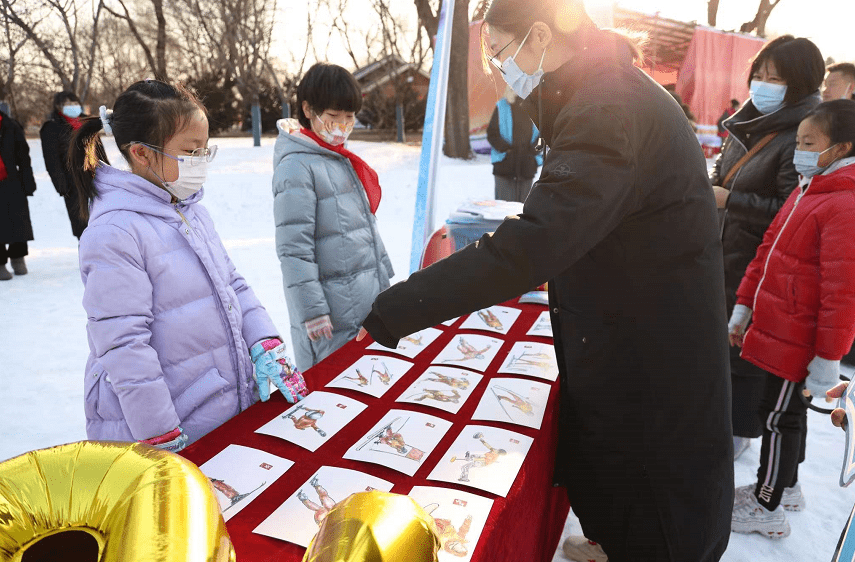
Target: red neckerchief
364 172
3 173
73 121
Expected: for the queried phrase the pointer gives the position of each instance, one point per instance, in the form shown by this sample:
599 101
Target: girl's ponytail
84 152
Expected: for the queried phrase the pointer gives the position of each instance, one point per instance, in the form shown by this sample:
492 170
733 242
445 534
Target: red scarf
3 174
73 121
364 172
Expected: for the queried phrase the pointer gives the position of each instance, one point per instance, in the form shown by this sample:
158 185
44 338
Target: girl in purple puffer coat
174 330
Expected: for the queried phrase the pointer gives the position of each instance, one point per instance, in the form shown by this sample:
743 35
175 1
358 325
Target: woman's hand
738 323
721 195
838 414
362 333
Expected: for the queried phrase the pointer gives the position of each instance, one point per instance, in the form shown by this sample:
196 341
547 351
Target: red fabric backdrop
525 526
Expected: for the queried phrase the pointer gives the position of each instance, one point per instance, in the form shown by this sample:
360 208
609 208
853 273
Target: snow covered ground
43 344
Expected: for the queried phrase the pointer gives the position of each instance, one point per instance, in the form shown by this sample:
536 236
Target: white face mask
334 133
521 83
190 179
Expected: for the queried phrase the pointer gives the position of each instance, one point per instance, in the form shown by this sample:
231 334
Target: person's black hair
327 86
798 62
734 103
566 18
836 119
845 68
149 112
60 98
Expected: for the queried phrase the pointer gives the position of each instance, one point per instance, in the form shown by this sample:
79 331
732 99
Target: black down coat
622 223
56 134
757 191
15 223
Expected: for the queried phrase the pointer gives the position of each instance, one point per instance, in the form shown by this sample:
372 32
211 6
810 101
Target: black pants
16 250
784 416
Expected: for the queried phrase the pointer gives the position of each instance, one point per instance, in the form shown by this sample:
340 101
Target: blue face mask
72 111
766 97
807 163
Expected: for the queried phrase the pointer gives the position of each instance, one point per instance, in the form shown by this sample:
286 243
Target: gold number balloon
375 527
121 501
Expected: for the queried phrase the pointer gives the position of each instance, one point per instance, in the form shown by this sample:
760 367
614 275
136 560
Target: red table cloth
525 526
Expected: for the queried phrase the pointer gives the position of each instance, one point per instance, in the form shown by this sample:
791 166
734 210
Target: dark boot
5 274
18 266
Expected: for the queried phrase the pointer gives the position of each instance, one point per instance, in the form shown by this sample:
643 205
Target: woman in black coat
792 69
55 134
513 138
622 223
16 184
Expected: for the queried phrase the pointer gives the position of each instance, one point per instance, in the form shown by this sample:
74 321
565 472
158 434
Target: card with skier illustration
450 322
533 359
372 374
402 441
412 345
483 457
446 388
298 518
459 516
518 401
542 326
496 319
472 351
312 421
240 474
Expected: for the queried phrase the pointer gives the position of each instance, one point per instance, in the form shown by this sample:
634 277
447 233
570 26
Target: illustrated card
483 457
450 322
446 388
372 374
402 440
496 319
240 474
533 359
412 345
542 326
298 518
312 421
459 516
519 401
472 351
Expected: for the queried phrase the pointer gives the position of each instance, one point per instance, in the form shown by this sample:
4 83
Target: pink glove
318 327
172 441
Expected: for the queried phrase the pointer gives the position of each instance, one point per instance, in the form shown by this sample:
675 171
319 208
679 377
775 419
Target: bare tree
157 60
712 12
759 22
15 41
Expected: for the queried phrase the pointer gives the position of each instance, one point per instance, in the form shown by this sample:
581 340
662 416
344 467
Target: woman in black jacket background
785 78
55 134
513 138
16 184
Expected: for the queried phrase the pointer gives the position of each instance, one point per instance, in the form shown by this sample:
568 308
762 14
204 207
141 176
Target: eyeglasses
494 59
195 158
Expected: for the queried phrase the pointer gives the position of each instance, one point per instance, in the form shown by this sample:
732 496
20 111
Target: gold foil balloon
375 527
113 501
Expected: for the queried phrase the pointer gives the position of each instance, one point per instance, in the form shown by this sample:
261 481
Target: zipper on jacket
778 237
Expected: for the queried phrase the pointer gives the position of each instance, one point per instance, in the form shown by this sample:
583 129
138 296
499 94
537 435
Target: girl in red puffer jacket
799 294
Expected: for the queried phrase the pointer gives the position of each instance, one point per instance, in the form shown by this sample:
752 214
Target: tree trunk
457 107
759 22
160 47
712 12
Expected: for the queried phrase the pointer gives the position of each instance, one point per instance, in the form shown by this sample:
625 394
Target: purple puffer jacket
170 320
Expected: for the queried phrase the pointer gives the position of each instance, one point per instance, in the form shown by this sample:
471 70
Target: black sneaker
5 274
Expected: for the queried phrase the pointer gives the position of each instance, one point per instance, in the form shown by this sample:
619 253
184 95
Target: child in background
333 261
798 294
174 330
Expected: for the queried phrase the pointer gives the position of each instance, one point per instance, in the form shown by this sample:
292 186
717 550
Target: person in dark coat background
513 138
784 80
55 134
16 184
622 223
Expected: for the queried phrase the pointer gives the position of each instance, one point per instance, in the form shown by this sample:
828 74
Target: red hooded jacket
801 283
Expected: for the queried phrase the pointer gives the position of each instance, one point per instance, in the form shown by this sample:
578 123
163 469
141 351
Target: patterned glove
739 320
824 374
272 365
173 441
319 327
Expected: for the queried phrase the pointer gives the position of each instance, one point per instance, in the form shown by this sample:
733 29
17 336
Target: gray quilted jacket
333 260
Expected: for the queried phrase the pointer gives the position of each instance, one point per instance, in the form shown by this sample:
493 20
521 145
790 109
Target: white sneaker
792 499
579 549
751 517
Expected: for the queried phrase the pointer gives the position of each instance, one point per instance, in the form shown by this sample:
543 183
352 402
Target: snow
43 345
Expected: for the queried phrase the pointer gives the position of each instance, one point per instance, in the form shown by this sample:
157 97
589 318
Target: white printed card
312 421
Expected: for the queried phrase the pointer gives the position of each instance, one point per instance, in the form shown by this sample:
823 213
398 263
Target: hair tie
106 119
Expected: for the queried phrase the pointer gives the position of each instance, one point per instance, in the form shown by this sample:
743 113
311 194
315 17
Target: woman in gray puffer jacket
333 261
